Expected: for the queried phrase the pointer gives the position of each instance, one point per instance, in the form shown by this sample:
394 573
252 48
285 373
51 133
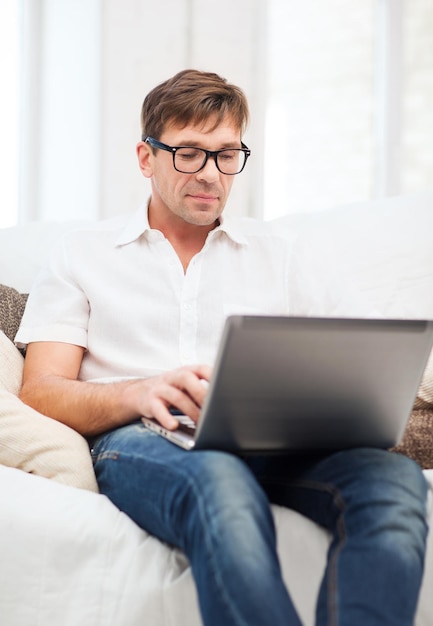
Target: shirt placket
189 312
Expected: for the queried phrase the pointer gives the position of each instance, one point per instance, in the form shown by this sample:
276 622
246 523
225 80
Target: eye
189 154
228 155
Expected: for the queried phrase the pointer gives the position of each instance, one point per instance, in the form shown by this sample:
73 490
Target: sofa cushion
383 247
12 304
33 442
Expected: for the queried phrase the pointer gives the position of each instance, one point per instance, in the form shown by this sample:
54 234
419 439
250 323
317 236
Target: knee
387 496
407 489
224 498
224 481
386 473
402 476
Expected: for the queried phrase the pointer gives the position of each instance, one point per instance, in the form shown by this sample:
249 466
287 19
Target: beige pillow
33 442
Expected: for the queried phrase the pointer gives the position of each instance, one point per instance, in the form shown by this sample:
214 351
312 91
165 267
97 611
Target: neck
186 239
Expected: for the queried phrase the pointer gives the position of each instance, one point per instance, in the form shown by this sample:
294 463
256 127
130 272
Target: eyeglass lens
191 160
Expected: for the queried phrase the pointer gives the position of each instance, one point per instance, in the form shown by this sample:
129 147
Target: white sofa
70 557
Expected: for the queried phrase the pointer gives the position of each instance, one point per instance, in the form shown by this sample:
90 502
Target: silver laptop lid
285 383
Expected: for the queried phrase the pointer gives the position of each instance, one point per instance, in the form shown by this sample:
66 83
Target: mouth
203 197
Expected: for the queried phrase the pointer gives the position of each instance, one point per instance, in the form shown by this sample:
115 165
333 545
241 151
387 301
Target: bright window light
9 112
319 130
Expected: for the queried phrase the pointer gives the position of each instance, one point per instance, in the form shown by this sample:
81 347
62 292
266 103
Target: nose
210 173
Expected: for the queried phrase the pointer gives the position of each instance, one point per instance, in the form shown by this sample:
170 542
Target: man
139 306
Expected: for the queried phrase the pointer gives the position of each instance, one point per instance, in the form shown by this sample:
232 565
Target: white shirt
120 292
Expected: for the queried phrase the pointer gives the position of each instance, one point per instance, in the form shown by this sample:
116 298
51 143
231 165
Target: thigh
162 487
322 487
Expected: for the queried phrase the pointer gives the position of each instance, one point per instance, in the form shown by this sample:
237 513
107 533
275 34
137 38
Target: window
319 133
9 115
417 103
349 113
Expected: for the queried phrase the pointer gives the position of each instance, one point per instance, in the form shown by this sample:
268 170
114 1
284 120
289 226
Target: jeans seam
112 455
339 503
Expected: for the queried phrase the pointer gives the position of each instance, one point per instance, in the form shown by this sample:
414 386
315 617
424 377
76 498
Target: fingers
191 388
184 389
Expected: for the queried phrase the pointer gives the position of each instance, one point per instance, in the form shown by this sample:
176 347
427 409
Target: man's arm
51 387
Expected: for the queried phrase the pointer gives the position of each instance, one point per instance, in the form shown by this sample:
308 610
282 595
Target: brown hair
192 96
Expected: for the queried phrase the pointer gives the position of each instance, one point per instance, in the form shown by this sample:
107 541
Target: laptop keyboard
186 424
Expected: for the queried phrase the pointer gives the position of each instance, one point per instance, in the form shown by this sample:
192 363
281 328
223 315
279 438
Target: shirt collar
232 228
138 223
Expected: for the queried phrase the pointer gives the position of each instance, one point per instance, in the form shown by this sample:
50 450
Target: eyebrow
224 146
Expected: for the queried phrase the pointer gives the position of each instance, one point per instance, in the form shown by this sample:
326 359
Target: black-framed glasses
190 160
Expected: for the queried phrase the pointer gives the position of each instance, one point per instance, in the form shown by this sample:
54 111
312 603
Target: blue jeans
215 507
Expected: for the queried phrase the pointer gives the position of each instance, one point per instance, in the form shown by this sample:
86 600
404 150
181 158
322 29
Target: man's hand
183 388
50 386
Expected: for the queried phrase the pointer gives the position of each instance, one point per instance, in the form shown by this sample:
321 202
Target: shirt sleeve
57 308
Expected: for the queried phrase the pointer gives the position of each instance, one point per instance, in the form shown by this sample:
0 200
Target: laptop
291 384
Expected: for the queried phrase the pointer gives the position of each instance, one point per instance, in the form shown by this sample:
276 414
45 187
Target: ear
145 156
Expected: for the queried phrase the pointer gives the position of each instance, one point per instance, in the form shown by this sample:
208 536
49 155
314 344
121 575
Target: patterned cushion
417 442
12 304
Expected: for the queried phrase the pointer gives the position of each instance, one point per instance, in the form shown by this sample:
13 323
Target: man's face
199 198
